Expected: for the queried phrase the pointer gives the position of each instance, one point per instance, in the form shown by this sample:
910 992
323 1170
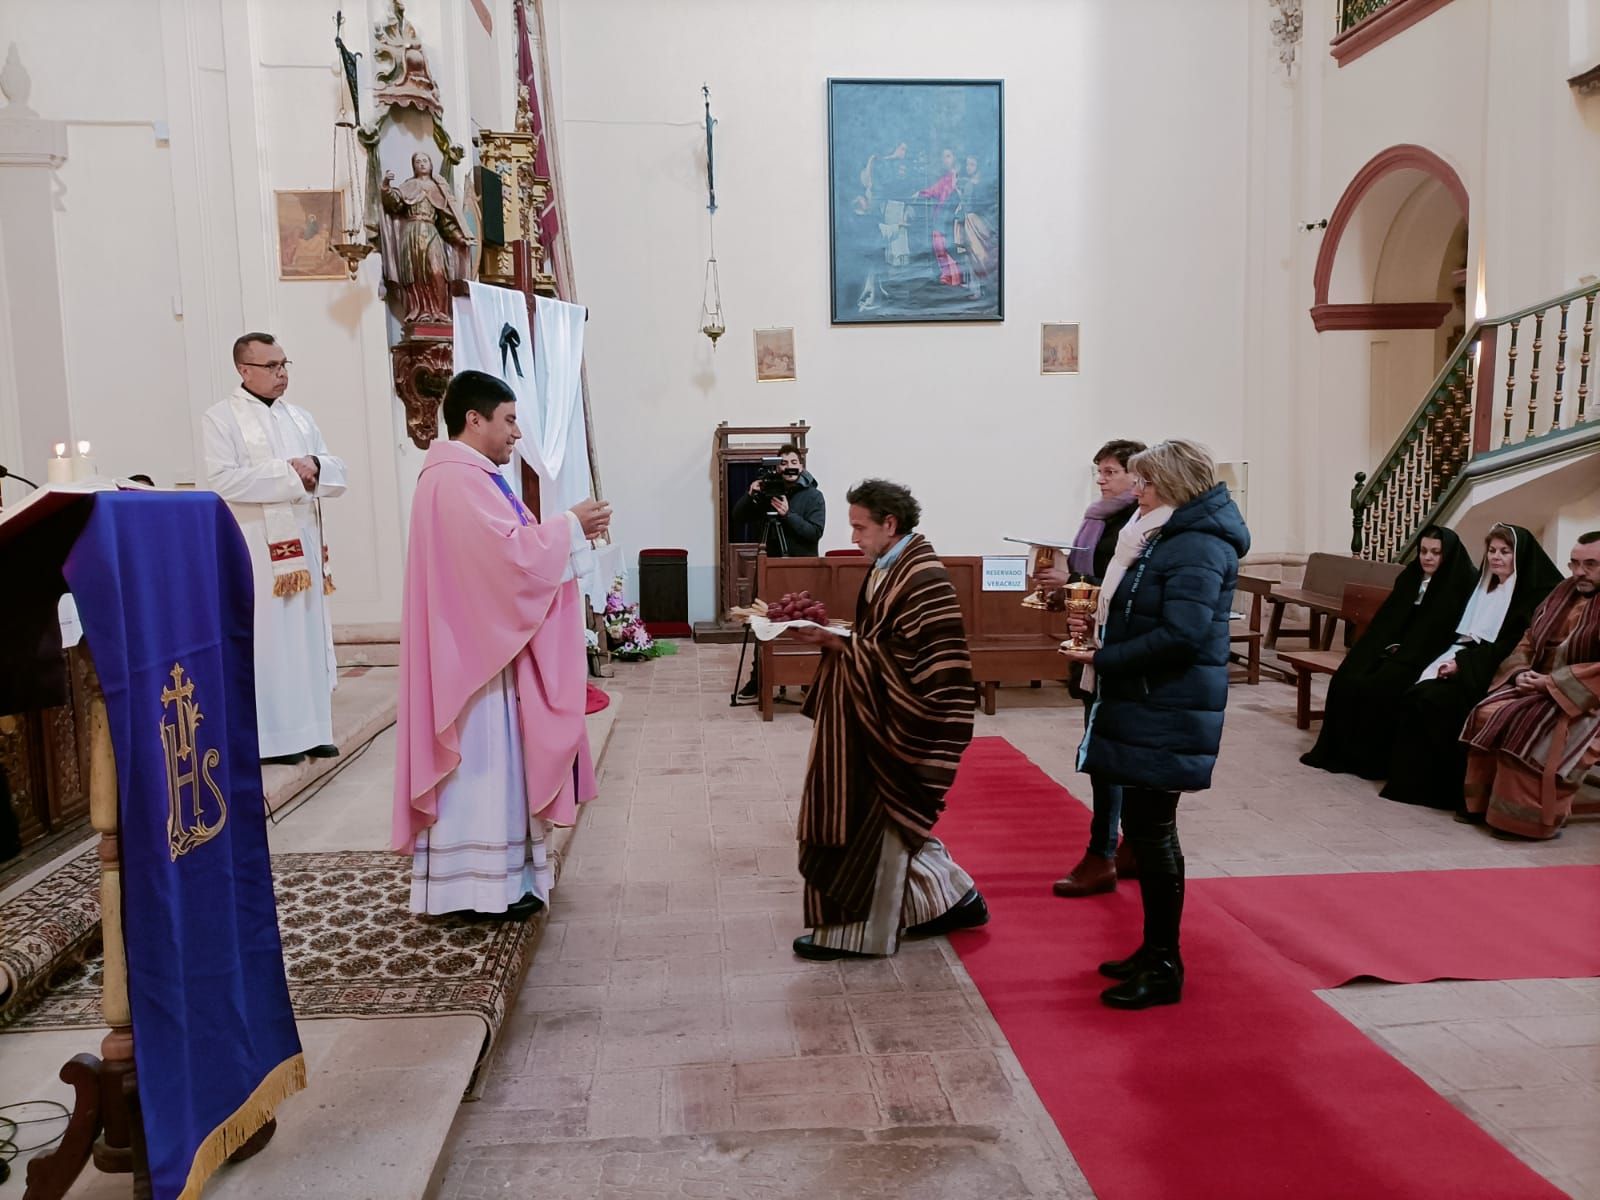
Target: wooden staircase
1506 400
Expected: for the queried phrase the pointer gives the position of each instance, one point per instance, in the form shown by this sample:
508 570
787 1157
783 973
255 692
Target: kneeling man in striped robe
892 708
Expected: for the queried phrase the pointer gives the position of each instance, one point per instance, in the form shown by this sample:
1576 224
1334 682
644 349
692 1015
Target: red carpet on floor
1412 926
1251 1087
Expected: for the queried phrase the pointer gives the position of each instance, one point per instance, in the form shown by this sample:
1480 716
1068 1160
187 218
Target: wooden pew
1359 604
1251 635
1322 593
1008 643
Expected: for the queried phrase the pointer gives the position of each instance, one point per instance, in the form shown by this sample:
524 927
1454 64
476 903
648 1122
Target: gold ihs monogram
188 825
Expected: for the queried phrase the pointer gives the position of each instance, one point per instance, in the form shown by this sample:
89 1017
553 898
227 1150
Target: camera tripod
773 529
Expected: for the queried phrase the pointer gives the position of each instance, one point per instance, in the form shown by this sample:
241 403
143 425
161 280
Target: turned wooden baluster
102 1123
1583 359
1358 517
1511 379
1561 368
1533 373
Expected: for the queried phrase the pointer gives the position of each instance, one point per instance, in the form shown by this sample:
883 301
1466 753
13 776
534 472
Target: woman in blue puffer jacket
1161 684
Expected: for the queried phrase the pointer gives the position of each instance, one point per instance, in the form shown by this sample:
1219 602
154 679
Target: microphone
5 471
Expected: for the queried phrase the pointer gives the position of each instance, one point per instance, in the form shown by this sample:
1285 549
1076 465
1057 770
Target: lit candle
82 468
59 468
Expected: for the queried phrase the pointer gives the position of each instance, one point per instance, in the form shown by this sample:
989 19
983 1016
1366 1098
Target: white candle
59 468
82 468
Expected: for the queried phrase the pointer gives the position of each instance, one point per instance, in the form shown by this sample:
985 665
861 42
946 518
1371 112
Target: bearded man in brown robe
1536 735
893 711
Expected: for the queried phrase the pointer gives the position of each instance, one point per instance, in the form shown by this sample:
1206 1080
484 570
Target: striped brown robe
893 712
1528 751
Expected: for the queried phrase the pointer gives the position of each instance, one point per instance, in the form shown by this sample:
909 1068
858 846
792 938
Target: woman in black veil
1416 623
1428 763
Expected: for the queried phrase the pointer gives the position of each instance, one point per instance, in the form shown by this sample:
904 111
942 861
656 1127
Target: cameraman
790 504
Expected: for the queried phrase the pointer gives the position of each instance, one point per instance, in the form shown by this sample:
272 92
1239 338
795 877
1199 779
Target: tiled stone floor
667 1042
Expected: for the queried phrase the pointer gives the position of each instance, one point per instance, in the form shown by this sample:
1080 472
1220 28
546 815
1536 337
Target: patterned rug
55 922
351 948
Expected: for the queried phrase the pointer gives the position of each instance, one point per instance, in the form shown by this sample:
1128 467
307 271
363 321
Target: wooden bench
1257 589
1321 592
1357 607
1008 643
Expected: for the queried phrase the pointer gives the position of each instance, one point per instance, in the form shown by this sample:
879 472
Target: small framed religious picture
1058 349
774 355
308 225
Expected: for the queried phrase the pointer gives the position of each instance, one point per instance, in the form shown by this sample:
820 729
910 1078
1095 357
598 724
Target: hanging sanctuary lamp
712 323
349 210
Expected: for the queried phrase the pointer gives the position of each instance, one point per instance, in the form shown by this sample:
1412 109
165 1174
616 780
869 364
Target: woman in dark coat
1428 764
1416 623
1103 861
1161 684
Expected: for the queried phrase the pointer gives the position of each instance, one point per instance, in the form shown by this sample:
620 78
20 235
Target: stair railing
1482 401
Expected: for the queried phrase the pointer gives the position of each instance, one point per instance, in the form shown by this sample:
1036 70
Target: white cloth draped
295 667
1480 622
555 440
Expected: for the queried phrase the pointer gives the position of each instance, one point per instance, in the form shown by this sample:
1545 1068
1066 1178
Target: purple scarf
1089 533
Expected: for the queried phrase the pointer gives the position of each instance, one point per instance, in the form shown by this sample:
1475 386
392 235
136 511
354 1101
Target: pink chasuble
483 591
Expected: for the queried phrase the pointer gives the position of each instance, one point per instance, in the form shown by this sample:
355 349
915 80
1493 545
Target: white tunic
295 668
485 852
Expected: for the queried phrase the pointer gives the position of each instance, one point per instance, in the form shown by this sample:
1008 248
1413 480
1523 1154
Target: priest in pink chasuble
492 744
268 460
1533 739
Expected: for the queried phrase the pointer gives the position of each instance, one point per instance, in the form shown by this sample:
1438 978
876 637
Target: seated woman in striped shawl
892 707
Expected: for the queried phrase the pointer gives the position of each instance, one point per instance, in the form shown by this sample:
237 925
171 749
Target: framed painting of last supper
916 200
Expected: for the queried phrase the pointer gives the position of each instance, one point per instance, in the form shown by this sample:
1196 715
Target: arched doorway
1390 286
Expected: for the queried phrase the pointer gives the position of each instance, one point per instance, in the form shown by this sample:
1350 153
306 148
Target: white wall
164 248
1481 83
1125 209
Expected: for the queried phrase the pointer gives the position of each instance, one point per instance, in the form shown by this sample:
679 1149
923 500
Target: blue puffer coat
1162 671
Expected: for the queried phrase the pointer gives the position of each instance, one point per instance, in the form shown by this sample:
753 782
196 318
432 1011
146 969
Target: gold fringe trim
283 1081
327 585
291 583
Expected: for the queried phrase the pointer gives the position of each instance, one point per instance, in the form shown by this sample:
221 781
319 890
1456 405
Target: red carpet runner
1252 1086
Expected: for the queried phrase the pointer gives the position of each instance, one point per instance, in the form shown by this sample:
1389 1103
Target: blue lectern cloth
163 586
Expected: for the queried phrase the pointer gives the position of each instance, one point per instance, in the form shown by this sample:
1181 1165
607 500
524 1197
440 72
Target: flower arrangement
630 641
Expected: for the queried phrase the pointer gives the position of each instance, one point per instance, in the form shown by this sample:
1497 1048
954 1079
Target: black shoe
284 760
1125 968
323 751
1464 817
806 948
750 690
524 908
968 914
1158 981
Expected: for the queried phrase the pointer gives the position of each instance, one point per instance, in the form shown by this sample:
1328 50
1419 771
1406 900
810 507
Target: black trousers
1150 823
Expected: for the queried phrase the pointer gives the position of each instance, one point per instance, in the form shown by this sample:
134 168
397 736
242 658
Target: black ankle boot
1125 968
1158 981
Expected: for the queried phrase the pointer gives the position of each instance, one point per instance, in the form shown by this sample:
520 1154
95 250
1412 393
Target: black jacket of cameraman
800 529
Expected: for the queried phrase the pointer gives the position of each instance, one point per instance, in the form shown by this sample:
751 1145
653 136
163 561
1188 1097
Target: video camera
773 482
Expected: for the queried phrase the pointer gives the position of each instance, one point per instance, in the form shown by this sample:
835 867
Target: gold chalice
1044 597
1082 601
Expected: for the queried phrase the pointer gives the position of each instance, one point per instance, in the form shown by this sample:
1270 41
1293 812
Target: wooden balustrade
1456 420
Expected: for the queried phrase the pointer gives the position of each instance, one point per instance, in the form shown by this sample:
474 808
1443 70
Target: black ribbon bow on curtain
510 339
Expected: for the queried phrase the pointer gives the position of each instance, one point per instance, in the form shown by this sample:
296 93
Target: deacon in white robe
268 460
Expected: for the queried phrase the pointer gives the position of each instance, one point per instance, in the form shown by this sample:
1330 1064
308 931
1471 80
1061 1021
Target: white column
33 359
